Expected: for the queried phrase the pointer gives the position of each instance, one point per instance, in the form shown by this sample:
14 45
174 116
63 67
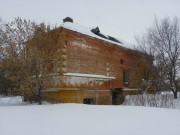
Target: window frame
125 76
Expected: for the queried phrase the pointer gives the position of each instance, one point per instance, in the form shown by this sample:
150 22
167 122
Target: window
146 74
122 61
66 42
126 77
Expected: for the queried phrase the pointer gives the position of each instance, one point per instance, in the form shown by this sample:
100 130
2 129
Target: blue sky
119 18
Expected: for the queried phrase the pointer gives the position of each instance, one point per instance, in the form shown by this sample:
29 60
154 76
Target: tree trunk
38 90
39 95
175 94
5 92
38 86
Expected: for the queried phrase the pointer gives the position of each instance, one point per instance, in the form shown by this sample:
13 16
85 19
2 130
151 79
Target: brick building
93 67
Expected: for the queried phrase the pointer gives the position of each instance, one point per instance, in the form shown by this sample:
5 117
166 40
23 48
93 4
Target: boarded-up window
126 77
146 74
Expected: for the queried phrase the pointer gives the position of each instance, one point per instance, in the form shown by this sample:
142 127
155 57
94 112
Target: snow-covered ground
79 119
14 100
18 118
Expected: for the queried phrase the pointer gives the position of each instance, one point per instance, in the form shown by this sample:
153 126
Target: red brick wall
80 53
88 55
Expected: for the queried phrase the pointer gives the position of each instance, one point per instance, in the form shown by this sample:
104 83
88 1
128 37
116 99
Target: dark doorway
88 101
117 96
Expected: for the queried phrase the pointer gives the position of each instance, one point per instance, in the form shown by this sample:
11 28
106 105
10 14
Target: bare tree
38 56
13 37
1 22
41 52
163 42
27 54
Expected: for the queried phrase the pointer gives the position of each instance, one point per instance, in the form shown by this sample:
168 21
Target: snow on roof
89 75
88 31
